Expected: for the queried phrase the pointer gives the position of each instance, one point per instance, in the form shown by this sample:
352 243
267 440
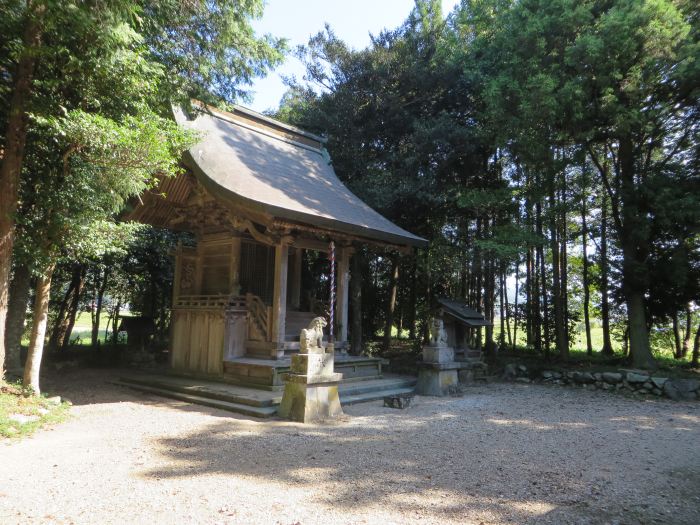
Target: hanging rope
331 256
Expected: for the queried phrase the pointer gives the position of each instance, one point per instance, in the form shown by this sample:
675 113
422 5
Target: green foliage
81 170
100 128
143 276
208 48
486 131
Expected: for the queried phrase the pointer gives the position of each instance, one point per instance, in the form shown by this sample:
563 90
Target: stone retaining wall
623 380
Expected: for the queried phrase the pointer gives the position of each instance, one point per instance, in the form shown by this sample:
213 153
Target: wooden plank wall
198 341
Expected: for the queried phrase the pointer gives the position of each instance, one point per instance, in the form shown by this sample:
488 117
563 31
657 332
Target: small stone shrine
438 372
311 389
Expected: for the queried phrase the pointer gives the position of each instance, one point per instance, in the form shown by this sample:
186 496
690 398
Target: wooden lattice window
258 270
215 268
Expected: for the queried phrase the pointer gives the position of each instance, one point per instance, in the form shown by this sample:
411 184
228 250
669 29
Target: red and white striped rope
332 294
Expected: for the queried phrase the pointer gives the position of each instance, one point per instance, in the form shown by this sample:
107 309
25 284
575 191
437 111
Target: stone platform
254 401
270 374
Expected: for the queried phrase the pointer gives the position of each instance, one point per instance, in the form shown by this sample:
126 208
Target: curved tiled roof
283 171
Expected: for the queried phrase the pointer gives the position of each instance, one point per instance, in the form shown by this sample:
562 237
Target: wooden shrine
257 194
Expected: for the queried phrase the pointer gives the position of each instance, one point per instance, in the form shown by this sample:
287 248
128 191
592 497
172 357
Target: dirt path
500 454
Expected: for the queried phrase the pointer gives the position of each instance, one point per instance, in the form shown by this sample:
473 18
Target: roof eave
315 220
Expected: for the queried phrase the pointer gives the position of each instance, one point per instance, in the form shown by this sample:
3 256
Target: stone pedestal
311 390
437 372
433 354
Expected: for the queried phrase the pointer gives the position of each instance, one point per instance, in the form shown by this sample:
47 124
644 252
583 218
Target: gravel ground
502 453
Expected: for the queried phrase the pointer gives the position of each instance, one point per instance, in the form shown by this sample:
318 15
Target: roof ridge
264 119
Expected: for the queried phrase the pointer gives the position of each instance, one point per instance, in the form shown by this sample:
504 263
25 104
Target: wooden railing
259 319
259 314
202 302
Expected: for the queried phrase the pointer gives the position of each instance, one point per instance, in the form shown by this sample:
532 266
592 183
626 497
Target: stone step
254 402
471 362
247 410
227 393
374 385
352 399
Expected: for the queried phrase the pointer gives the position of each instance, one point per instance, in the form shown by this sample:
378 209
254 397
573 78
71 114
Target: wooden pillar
235 268
279 299
343 294
198 269
295 283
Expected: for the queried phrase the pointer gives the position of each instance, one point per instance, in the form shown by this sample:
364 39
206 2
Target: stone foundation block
310 403
312 364
433 381
437 354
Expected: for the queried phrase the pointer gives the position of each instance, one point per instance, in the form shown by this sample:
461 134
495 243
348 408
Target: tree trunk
98 308
635 247
515 305
479 283
544 316
529 315
425 325
391 303
412 302
559 328
16 316
356 304
639 347
489 300
564 264
696 349
13 157
502 307
36 341
73 311
688 331
678 352
530 274
604 279
58 333
509 312
109 321
115 323
586 284
59 324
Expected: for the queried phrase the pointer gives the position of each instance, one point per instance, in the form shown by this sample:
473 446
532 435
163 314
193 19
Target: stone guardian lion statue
311 338
438 336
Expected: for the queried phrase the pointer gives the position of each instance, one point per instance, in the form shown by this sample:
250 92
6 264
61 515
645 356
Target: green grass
82 330
14 399
578 357
579 338
663 353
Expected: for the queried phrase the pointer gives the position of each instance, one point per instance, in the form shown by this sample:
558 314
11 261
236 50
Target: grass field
661 349
83 327
82 330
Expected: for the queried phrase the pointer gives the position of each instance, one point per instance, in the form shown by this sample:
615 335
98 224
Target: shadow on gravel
525 454
93 386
